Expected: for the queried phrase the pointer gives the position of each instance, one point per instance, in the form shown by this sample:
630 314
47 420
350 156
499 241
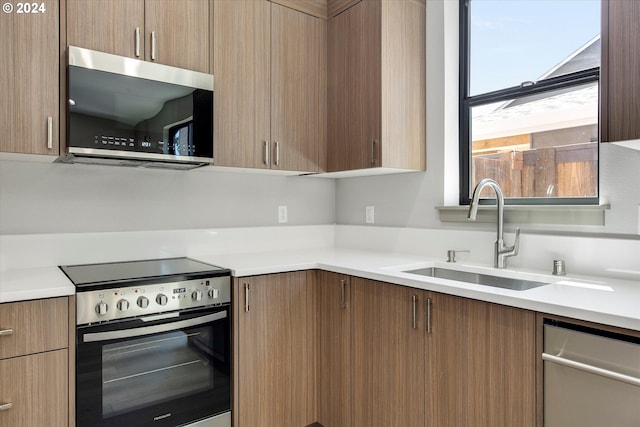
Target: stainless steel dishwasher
591 377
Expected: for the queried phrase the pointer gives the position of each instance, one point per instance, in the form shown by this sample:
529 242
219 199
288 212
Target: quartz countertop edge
607 301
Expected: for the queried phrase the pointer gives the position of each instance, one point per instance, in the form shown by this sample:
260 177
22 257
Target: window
529 99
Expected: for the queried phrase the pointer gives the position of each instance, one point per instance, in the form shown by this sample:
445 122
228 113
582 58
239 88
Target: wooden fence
566 171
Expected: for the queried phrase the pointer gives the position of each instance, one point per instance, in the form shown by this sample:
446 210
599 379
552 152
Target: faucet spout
501 251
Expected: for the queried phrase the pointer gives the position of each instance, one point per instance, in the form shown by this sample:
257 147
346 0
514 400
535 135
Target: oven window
148 371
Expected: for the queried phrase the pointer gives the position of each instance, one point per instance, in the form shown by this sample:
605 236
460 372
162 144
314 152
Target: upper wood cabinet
30 66
619 76
270 70
335 7
376 86
170 32
274 351
317 8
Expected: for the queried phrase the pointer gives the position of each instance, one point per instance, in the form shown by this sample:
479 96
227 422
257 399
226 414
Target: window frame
466 103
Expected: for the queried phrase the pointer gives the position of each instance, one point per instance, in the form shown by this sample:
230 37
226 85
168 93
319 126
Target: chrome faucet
502 252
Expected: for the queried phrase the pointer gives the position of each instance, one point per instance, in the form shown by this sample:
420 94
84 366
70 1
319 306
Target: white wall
61 198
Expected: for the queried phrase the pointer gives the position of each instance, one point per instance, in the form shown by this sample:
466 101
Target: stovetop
135 273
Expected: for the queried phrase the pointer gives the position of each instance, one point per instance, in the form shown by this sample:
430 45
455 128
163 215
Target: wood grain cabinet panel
170 32
620 79
481 364
376 86
333 300
274 351
36 326
29 113
317 8
270 70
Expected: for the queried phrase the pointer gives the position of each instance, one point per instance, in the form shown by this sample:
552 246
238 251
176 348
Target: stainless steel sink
478 279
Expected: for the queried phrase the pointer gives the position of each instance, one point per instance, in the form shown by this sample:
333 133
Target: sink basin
478 279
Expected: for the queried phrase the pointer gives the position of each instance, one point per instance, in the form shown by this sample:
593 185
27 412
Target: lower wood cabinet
35 380
274 351
393 356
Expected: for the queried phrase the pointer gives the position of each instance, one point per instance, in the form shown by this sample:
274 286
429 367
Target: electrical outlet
368 214
282 214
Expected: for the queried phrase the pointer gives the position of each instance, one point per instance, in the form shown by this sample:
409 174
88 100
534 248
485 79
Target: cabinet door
177 33
298 89
274 351
481 364
354 94
620 103
388 364
36 326
334 349
107 26
37 387
30 86
241 68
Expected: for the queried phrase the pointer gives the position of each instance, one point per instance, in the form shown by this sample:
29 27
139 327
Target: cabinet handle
266 153
343 284
137 42
50 133
246 297
6 406
428 315
414 298
6 332
373 151
153 45
277 156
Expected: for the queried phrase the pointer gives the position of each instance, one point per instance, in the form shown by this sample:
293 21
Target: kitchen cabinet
34 363
29 105
317 8
619 77
274 351
481 364
270 68
333 300
335 7
376 86
388 355
169 32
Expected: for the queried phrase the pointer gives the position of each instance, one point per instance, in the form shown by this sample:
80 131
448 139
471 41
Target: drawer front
35 390
28 327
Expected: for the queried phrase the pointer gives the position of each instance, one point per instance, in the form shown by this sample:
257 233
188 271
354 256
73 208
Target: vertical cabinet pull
343 302
246 297
414 299
6 406
276 159
137 42
373 151
50 133
6 332
428 315
266 153
153 45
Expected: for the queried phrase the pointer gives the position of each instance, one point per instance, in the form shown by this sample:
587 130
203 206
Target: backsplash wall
58 198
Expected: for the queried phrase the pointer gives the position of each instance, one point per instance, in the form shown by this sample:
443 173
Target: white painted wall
60 198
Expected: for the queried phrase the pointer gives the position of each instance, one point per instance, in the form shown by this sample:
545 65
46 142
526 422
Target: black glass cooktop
132 273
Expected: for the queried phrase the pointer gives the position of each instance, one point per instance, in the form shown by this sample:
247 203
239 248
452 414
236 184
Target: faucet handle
516 244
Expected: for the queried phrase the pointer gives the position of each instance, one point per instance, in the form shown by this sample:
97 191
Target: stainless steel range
153 343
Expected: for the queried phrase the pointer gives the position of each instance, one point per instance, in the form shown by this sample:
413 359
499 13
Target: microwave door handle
148 330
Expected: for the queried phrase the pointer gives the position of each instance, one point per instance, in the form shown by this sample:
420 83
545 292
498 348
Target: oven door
165 370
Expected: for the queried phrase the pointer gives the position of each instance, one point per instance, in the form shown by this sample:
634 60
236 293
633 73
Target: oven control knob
213 293
162 299
143 302
123 305
102 308
196 295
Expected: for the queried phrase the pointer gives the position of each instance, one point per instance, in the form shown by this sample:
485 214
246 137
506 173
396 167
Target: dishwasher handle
591 369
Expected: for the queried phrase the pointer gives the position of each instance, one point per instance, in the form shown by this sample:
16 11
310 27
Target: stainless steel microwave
127 112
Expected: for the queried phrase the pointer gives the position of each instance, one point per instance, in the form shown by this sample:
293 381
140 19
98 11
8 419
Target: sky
513 41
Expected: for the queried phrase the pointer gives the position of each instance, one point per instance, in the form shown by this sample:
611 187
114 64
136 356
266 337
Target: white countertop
607 301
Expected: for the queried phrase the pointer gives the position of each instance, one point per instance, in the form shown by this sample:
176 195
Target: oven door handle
148 330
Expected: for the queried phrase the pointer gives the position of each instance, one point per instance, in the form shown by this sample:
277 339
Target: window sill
521 214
